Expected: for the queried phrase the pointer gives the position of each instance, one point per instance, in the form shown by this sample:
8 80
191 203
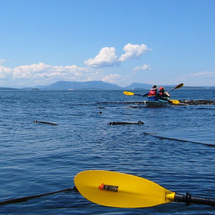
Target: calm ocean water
38 158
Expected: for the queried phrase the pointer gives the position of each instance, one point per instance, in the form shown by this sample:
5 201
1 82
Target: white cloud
144 67
113 78
2 61
5 71
133 51
45 70
205 73
41 73
106 57
28 71
204 78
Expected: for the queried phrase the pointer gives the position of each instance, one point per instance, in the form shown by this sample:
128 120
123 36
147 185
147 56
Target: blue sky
116 41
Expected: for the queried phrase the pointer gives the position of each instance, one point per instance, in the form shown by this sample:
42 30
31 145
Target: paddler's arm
146 94
167 94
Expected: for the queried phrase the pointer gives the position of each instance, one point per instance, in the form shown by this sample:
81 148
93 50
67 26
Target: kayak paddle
121 190
175 102
127 93
177 87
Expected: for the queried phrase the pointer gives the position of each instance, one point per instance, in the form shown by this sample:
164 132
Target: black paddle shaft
141 94
188 199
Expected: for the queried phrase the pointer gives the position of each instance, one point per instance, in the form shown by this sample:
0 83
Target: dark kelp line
181 102
24 199
176 139
126 123
198 102
48 123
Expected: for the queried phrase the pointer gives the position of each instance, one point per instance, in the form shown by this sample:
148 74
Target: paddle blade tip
128 93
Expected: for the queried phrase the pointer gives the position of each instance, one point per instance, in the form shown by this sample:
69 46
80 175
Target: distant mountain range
88 85
91 85
94 85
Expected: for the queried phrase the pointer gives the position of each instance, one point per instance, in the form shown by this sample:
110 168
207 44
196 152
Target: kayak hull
157 104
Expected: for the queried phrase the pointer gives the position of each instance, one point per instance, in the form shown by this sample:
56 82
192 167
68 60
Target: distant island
97 85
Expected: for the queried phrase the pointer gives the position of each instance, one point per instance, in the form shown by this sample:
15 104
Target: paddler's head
161 89
154 87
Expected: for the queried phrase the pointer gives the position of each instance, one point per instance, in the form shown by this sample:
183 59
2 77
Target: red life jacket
161 93
152 93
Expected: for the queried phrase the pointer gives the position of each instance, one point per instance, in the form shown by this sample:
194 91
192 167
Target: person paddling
153 94
163 94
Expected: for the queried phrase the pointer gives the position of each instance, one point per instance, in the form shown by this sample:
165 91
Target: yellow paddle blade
121 190
128 93
175 102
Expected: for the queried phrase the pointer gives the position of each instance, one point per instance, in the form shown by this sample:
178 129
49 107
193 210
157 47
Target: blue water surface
40 158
